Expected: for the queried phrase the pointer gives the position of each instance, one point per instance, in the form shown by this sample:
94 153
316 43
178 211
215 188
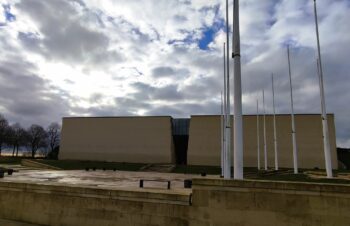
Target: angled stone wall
204 141
118 139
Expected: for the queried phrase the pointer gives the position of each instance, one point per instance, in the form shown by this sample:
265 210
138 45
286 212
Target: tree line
33 138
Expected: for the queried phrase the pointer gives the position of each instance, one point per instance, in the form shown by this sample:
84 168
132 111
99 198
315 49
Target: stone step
15 223
158 168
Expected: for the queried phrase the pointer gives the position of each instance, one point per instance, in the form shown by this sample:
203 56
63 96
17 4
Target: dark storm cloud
131 103
180 18
26 97
63 34
203 88
30 41
165 72
169 93
257 76
162 71
149 92
186 109
96 98
175 100
102 111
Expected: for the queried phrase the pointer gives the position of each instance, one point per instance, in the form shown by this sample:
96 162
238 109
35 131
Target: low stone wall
215 202
243 203
83 206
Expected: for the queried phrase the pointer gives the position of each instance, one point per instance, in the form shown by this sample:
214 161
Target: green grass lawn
301 177
254 174
10 160
211 170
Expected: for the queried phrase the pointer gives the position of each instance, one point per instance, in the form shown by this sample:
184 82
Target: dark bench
8 171
165 181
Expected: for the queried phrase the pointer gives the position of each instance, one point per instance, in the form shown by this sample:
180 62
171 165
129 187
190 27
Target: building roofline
310 114
102 117
168 116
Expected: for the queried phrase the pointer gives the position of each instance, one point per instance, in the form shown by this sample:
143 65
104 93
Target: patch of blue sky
209 32
7 13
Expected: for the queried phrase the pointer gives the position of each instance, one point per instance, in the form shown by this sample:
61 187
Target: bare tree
10 139
3 131
22 140
53 132
37 138
17 137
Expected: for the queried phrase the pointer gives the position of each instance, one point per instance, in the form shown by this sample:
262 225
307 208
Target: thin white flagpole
238 118
257 132
265 145
274 125
225 115
319 78
295 151
222 136
228 115
326 145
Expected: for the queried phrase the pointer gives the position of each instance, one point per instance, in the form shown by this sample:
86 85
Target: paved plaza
104 179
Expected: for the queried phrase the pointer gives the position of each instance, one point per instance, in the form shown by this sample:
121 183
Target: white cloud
89 55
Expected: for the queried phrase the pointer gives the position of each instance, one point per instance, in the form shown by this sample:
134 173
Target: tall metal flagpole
274 125
265 145
238 121
326 145
295 151
225 116
222 136
228 115
257 132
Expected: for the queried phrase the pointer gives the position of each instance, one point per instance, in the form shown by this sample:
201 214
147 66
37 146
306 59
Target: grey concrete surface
99 178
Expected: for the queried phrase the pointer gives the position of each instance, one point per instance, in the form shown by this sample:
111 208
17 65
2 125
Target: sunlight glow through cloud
144 57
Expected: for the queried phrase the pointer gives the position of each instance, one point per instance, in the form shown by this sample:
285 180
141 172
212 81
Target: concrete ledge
215 202
67 205
274 185
144 195
266 203
15 223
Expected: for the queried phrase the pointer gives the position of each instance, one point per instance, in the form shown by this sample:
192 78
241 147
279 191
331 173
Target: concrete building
118 139
204 143
194 141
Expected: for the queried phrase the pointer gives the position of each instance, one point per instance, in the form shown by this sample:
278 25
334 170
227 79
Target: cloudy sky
164 57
